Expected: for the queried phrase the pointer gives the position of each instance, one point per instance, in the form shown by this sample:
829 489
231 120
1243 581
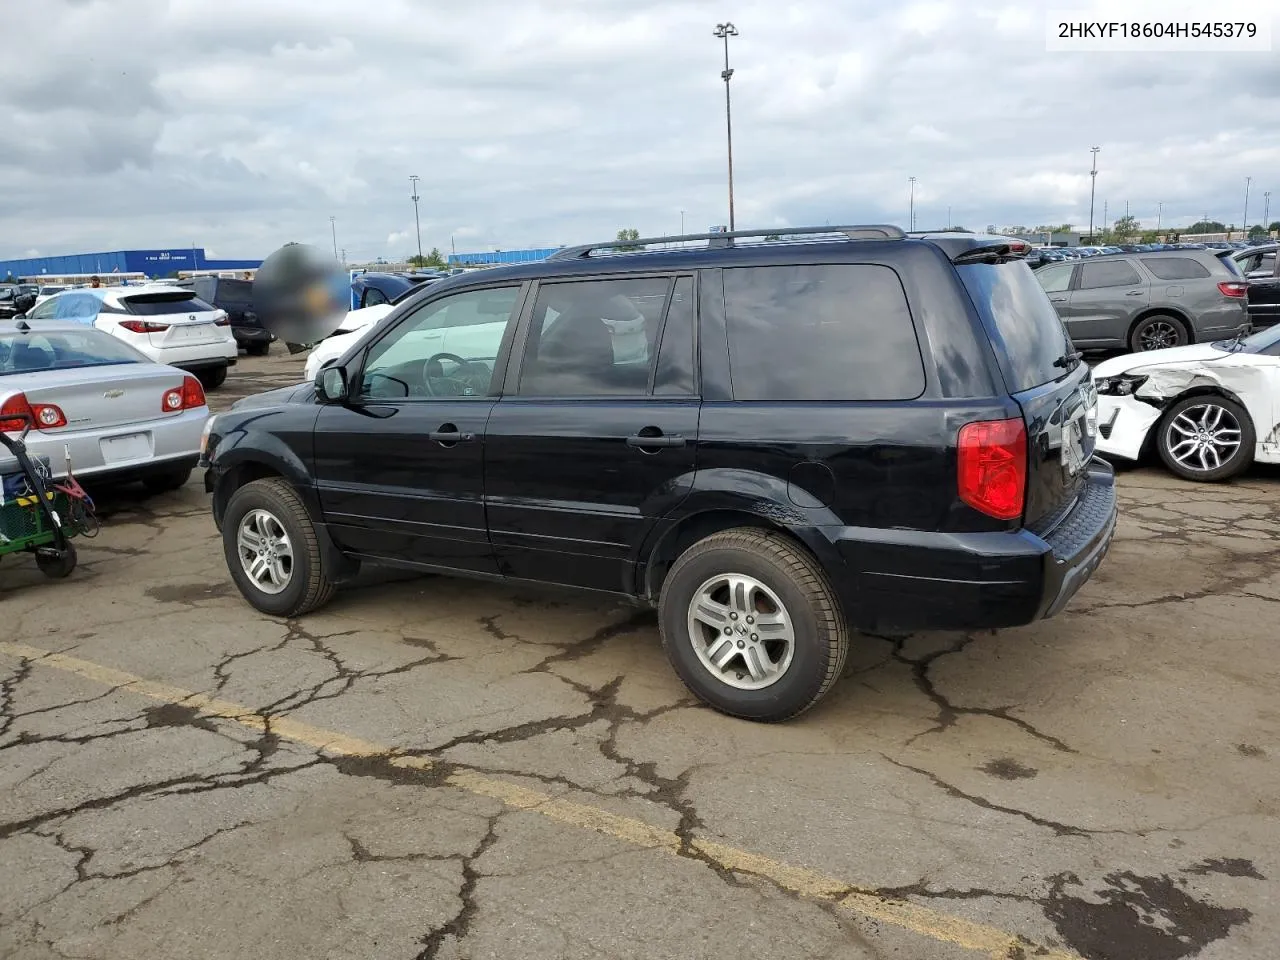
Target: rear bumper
252 335
164 443
916 580
196 357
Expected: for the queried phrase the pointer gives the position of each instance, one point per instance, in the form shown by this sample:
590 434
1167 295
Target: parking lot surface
431 768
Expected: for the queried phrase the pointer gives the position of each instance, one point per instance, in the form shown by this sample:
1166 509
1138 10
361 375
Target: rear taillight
44 416
187 397
143 326
222 321
1234 288
991 467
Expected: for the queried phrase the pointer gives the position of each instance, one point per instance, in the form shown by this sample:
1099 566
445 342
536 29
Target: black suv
771 441
236 297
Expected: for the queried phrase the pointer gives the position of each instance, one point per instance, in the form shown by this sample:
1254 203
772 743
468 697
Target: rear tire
731 584
58 565
269 512
1157 332
167 481
1198 432
257 348
212 379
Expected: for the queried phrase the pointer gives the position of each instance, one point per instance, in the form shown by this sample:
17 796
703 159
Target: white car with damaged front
353 327
1209 409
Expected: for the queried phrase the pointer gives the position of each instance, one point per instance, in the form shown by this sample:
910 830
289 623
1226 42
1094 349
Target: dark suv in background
236 297
1261 268
770 441
1148 301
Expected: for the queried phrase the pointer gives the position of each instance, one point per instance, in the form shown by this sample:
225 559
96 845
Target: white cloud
245 125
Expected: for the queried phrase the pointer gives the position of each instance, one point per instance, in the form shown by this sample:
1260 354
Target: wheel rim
265 551
1158 335
1203 437
741 632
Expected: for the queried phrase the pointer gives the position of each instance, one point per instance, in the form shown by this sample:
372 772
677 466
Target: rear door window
1023 326
1107 273
821 333
1175 268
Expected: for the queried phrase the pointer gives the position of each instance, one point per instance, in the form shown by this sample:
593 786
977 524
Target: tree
625 234
1124 227
1207 226
1257 230
1274 227
433 259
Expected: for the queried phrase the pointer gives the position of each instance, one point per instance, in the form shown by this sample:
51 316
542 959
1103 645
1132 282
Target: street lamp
334 227
1244 221
724 31
1266 211
413 182
911 214
1093 188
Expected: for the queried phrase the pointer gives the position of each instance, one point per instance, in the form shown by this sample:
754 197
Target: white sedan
1214 407
98 402
165 323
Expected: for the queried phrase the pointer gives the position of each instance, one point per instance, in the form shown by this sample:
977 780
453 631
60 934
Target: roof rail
873 231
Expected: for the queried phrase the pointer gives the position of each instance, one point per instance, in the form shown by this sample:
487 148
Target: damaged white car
1214 407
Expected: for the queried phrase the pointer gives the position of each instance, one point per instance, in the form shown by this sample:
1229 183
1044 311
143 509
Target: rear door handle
655 442
1135 293
1057 299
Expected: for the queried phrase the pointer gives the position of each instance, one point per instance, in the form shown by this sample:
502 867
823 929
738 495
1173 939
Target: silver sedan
98 403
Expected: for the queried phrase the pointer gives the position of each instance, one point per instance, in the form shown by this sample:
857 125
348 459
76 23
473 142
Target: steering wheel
433 370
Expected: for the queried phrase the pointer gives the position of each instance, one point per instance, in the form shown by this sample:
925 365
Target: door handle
1135 293
449 434
1057 299
655 441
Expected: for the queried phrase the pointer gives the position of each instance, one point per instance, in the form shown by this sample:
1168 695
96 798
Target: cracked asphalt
431 768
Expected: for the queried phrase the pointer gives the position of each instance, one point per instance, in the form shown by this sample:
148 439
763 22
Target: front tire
272 551
1158 332
1206 438
752 625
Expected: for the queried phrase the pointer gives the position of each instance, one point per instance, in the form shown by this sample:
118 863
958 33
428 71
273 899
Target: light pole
1104 218
911 214
724 31
948 218
1093 190
334 227
413 182
1159 215
1266 211
1244 221
682 223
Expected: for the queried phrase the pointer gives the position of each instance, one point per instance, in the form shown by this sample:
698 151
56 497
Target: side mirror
331 384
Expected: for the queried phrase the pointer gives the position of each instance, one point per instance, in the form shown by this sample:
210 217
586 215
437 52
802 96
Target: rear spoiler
976 247
994 252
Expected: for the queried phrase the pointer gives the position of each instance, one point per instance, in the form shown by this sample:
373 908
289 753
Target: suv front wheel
272 550
752 625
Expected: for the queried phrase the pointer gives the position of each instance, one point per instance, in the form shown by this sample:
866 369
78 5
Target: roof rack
873 231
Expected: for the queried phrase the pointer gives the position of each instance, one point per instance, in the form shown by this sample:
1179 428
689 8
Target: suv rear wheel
1206 438
272 550
752 625
1158 332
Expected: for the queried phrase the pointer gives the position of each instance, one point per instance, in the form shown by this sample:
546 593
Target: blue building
154 263
497 257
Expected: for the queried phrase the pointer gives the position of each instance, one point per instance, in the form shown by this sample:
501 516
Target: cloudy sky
239 125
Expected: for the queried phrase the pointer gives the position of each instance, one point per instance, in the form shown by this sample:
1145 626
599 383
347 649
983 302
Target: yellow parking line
943 927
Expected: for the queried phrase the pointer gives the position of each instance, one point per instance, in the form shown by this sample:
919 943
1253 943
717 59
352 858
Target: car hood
298 393
1195 352
366 316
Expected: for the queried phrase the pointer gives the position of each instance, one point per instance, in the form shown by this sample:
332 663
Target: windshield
1023 326
32 353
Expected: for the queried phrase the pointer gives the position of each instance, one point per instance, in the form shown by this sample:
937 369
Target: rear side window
1107 273
821 333
1175 268
674 376
1021 322
165 304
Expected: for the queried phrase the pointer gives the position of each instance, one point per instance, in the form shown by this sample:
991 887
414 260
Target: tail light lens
143 326
222 321
1234 288
991 467
45 416
189 396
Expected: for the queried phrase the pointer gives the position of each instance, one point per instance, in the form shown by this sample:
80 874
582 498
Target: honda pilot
774 439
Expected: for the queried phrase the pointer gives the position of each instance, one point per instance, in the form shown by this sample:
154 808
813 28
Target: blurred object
300 294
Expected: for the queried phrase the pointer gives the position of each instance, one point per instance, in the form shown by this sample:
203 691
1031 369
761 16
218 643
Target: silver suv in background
1148 301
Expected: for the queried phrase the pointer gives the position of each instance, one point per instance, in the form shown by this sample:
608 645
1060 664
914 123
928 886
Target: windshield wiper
1068 361
1244 330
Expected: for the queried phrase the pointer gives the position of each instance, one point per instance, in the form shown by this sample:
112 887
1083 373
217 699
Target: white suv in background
167 324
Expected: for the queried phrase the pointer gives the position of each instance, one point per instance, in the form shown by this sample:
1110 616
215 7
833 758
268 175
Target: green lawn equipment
38 515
